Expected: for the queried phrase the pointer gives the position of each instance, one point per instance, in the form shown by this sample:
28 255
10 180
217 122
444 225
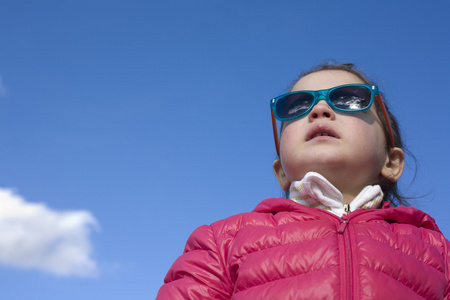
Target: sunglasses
344 98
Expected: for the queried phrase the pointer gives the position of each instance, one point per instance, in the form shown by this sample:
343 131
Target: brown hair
390 189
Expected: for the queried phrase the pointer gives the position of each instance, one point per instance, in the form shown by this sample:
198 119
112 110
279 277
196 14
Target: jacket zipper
347 256
345 249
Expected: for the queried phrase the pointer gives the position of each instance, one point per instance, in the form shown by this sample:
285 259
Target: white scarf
316 191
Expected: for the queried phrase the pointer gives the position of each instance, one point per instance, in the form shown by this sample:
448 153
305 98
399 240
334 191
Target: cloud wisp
35 236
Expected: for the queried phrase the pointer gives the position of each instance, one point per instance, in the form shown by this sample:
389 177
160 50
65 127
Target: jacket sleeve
200 272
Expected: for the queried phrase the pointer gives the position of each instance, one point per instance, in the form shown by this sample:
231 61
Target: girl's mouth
321 134
321 131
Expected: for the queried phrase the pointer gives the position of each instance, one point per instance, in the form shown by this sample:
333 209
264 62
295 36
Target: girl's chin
329 169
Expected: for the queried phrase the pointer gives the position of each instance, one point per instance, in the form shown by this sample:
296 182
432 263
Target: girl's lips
321 130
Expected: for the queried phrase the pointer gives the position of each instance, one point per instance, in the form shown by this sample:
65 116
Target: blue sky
127 124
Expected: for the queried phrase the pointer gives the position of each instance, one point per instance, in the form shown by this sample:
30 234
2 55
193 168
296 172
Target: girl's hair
390 189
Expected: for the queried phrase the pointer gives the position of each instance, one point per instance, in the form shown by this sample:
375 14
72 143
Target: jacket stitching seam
396 280
410 255
288 277
240 257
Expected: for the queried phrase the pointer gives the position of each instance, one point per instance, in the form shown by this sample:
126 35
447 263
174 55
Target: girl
340 235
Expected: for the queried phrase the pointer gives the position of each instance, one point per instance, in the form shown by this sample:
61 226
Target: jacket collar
401 215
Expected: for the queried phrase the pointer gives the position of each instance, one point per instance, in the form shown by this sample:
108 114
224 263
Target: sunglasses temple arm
275 133
386 118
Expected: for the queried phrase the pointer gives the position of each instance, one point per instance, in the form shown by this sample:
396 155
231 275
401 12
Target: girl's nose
321 110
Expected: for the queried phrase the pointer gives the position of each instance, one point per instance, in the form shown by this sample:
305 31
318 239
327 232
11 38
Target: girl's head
351 150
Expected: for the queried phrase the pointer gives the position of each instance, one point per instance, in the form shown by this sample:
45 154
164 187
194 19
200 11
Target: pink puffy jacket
284 250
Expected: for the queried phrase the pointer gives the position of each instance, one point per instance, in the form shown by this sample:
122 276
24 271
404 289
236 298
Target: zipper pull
343 225
347 208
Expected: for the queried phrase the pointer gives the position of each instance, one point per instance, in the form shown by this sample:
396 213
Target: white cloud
35 236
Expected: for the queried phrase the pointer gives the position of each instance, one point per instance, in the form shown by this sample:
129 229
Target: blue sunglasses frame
325 95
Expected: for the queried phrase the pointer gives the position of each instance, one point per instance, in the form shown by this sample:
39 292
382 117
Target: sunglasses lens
294 105
351 98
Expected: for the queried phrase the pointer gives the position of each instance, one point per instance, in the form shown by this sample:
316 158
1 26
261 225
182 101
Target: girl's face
349 149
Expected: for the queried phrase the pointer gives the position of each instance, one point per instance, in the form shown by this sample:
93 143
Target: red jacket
284 250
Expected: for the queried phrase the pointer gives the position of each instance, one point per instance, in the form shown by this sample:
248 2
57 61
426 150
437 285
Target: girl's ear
395 162
281 176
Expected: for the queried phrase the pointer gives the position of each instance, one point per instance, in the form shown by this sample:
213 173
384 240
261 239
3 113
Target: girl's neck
348 198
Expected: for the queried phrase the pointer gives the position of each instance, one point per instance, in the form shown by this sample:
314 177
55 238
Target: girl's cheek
291 132
287 142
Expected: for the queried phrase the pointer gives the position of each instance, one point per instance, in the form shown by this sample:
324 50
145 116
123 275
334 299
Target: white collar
314 190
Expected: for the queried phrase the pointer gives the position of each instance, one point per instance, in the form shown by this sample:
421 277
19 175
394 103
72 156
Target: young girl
340 235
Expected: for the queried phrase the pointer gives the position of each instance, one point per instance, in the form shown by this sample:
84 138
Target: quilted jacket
284 250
